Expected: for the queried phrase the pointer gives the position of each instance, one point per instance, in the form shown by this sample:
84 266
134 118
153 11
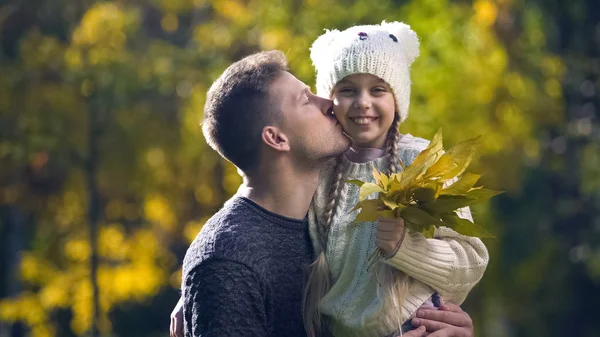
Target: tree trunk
93 212
12 245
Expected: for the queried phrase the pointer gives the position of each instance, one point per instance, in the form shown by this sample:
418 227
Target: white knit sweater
450 264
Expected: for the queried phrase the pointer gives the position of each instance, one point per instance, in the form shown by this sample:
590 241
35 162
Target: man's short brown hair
238 106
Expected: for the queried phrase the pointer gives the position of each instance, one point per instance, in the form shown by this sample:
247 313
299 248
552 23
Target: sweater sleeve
223 298
451 263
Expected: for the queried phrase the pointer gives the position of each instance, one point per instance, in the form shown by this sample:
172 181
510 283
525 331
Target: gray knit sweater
244 274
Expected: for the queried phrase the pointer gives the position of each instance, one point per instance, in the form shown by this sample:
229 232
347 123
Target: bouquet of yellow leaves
418 194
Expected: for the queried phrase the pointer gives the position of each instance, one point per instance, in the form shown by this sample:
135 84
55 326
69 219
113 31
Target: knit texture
385 50
450 264
244 274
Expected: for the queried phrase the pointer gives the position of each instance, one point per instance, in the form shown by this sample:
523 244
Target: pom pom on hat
407 38
319 46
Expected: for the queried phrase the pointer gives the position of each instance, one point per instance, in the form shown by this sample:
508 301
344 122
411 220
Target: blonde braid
394 283
392 146
334 192
317 284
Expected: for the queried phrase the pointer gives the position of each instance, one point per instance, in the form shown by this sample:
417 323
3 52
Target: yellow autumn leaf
387 214
462 185
424 160
417 194
369 188
368 210
441 167
390 203
461 154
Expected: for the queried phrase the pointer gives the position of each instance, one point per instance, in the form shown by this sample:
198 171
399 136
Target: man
244 273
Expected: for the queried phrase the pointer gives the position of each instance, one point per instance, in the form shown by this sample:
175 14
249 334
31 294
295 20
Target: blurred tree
105 175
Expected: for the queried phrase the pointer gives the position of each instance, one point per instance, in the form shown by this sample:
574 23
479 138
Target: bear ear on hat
406 37
321 48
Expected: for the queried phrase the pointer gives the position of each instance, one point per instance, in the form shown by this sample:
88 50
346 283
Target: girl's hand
390 233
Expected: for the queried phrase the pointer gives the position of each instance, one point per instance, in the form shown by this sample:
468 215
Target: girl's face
364 105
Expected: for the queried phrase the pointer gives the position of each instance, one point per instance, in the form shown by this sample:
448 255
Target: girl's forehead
360 79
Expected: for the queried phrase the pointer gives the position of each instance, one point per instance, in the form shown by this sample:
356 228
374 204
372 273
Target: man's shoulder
231 234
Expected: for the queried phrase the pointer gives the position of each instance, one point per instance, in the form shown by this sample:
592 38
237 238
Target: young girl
365 70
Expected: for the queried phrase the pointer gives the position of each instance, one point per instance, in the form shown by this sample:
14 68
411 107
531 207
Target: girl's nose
362 102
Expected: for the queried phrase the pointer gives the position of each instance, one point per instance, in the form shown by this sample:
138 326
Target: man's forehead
286 85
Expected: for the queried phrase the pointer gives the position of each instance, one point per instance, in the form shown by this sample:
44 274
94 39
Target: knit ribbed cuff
428 260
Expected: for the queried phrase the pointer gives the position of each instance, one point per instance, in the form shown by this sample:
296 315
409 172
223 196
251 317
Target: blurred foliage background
105 176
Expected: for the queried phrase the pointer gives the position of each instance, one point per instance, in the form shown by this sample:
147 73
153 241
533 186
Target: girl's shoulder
410 146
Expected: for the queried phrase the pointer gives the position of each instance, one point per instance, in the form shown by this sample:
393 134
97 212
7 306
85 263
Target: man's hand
419 332
176 327
449 321
390 233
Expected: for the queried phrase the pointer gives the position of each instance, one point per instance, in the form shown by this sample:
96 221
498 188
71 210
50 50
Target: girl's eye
380 89
346 90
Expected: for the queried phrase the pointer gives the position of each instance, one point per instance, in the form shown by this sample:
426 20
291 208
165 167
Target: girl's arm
451 263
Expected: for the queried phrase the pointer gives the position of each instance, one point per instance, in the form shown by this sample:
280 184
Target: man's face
307 120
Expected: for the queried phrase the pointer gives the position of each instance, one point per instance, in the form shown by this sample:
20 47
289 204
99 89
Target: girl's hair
393 282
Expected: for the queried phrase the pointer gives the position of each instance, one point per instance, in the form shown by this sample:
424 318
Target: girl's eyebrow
344 82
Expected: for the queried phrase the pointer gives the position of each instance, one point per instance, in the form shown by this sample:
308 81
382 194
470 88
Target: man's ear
275 138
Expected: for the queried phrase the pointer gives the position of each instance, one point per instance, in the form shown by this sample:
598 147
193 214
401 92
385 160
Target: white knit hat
385 50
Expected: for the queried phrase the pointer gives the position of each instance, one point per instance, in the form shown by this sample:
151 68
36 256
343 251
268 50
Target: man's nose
326 106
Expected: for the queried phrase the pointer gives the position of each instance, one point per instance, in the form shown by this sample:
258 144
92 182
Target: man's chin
341 149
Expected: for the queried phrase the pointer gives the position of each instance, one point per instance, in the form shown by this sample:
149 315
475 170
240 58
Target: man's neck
284 192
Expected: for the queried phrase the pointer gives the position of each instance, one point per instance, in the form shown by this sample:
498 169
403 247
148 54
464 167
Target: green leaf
356 182
428 231
449 203
369 188
425 195
419 216
368 210
413 227
462 185
387 214
481 194
390 203
465 227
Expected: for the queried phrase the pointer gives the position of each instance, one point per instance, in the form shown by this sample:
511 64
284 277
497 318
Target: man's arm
223 298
